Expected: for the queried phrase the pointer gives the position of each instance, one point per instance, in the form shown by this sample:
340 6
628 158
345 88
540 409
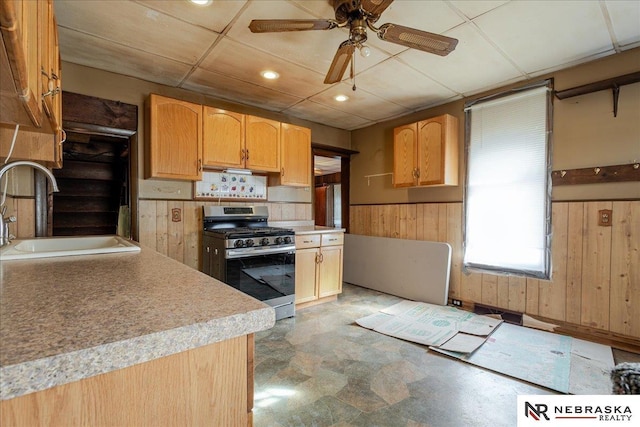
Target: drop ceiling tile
136 26
387 80
473 66
360 103
235 90
230 58
319 8
310 49
319 113
625 17
474 8
84 49
215 16
538 35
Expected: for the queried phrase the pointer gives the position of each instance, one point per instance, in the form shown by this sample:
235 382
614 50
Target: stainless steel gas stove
241 250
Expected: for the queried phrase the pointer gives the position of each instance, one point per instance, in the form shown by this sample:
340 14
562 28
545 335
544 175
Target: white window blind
507 221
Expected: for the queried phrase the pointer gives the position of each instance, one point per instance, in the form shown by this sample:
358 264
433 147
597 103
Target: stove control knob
287 239
248 243
238 243
278 240
264 241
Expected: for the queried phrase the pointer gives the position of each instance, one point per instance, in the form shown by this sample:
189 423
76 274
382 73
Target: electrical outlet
604 217
456 302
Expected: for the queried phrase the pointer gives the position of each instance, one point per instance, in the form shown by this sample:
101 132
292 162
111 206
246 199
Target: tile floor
321 369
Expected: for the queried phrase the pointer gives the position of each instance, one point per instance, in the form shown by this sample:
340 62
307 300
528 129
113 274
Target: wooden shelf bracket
613 84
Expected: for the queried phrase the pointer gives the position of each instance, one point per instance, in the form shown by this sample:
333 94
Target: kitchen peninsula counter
67 319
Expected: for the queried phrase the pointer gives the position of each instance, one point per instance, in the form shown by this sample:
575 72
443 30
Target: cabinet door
51 82
21 24
296 156
405 148
223 138
437 151
175 139
306 274
262 144
330 274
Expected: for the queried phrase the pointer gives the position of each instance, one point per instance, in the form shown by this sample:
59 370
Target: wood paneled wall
596 270
181 240
24 209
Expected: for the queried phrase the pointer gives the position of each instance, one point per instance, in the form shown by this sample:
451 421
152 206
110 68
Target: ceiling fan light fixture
365 51
270 75
341 98
201 2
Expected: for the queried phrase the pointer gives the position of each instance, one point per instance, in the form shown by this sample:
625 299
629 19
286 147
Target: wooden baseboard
615 340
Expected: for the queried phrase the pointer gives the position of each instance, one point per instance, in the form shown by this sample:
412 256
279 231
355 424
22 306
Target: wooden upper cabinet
296 155
426 153
223 138
29 50
21 24
405 149
262 145
51 69
174 139
234 140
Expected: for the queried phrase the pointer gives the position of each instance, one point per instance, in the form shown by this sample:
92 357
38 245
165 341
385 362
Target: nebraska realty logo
563 410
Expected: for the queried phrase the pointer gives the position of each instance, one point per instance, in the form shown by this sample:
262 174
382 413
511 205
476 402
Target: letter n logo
536 411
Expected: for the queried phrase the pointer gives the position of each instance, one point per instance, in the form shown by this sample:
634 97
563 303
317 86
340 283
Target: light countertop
306 227
316 229
68 318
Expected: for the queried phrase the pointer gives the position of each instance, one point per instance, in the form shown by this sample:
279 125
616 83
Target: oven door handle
257 251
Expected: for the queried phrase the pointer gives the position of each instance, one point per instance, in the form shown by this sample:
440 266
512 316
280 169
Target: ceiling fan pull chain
353 72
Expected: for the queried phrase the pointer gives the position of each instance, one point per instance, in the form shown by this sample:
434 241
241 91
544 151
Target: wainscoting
596 270
174 228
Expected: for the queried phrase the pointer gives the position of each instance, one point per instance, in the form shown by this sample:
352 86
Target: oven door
268 277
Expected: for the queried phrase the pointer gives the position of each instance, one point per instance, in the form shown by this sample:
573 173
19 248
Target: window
507 198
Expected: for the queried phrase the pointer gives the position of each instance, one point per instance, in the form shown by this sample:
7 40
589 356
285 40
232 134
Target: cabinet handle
321 258
281 171
64 136
317 258
307 241
242 155
199 165
247 154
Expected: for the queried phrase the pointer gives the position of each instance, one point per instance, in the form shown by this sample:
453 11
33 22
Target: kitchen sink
46 247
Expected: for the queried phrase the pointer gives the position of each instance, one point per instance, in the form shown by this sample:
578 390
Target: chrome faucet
4 222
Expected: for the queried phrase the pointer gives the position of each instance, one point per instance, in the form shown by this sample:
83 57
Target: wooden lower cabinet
207 386
319 260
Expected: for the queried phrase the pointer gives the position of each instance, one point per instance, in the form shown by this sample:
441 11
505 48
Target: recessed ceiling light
270 75
341 98
201 2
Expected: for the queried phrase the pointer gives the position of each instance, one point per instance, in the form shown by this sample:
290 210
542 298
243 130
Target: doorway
99 160
328 191
94 186
331 186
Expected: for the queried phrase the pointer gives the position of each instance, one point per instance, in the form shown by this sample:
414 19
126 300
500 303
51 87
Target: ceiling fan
358 15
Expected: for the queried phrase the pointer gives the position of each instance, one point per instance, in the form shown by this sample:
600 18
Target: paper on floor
430 324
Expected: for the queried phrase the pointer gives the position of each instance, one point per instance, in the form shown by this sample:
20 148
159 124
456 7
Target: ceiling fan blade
417 39
341 61
278 25
375 7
